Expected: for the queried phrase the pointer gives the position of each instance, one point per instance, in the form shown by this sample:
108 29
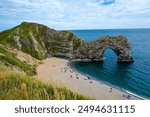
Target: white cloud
71 14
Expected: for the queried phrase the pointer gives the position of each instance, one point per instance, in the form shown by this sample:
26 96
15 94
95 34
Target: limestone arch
119 45
115 53
94 50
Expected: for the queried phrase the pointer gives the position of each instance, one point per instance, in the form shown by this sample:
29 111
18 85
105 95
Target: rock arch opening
109 55
94 51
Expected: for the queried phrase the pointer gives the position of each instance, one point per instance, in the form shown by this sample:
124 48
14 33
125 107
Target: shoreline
106 83
60 71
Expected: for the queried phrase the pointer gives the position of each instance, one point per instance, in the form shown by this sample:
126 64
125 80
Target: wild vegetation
18 86
40 41
37 42
9 59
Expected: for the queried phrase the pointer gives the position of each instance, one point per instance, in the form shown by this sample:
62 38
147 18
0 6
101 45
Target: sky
76 14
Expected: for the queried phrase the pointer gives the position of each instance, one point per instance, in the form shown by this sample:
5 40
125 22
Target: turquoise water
134 77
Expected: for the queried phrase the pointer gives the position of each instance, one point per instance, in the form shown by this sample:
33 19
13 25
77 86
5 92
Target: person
89 78
111 89
129 96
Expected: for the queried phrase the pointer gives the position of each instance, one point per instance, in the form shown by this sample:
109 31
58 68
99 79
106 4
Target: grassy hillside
8 58
17 86
38 40
20 47
27 37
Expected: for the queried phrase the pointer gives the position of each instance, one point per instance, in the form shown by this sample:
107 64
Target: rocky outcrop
94 51
40 41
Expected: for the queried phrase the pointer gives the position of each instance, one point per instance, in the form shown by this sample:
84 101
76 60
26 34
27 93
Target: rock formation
94 51
40 41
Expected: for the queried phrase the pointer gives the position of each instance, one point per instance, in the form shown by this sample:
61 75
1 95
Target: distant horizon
79 29
77 15
112 29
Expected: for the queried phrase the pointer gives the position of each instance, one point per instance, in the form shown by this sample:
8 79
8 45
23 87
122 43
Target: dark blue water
134 77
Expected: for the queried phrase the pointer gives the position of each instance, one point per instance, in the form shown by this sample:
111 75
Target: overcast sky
76 14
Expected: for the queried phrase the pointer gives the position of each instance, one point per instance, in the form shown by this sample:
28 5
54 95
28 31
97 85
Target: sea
132 77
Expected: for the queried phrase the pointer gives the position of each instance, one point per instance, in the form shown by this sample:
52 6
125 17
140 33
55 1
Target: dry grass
17 86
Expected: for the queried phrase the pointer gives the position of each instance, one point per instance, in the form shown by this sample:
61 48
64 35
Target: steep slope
27 37
40 41
11 57
62 43
18 86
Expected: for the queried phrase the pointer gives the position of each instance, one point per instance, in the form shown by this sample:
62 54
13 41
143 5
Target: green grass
5 40
10 59
24 30
31 52
17 86
47 40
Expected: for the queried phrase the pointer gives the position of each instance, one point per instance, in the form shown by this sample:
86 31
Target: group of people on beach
67 68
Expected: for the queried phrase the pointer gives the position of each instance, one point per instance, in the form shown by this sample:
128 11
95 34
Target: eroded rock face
40 41
94 51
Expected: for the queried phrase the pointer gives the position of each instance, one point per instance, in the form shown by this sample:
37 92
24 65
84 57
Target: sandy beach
57 70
